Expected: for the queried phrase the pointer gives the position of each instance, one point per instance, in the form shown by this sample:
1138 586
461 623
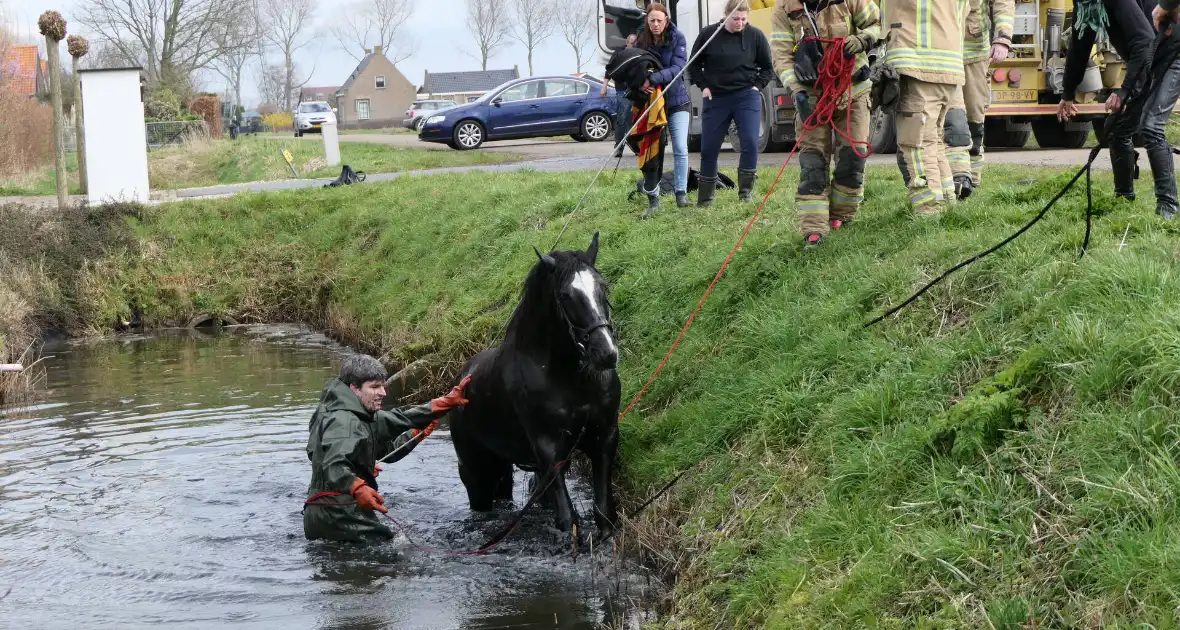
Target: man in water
348 432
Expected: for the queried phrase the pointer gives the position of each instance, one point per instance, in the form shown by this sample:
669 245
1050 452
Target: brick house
327 93
376 95
23 69
464 87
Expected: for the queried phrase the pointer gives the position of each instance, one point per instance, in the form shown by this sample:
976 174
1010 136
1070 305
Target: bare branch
367 23
288 30
533 24
576 22
488 22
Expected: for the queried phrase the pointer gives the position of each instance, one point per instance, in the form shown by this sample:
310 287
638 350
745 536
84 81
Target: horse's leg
563 506
602 461
479 471
504 481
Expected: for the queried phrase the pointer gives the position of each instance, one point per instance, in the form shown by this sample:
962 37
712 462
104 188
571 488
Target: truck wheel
997 135
882 132
1052 134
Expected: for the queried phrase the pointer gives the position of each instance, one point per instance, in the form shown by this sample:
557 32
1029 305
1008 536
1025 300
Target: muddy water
159 483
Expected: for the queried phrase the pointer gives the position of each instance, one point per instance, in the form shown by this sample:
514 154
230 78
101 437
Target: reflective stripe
920 196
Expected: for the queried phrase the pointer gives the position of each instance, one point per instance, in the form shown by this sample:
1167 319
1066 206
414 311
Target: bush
28 145
209 109
279 121
162 104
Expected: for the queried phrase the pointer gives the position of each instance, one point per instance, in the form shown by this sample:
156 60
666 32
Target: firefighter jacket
925 39
838 18
985 18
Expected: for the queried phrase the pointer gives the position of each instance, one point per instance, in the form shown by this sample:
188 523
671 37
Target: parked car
311 115
535 107
419 111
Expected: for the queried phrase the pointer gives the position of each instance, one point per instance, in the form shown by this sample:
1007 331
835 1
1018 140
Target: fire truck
1026 87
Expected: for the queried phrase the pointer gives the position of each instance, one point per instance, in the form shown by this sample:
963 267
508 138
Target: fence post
78 46
53 26
331 143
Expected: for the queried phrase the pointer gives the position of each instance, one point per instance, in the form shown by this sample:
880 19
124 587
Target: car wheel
579 137
419 124
298 134
469 134
596 126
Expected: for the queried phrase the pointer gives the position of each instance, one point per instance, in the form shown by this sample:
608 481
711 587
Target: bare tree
576 21
365 23
272 81
533 24
288 30
241 42
488 22
171 38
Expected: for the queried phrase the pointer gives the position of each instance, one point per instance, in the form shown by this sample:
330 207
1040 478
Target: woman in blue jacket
662 38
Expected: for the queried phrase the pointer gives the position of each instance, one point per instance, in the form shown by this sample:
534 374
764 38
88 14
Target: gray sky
437 25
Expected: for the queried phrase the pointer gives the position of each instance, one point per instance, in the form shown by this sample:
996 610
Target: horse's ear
546 260
592 251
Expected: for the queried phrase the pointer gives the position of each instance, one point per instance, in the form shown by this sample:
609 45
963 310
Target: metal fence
162 134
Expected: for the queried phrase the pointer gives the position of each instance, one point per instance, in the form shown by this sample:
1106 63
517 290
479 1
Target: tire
298 134
882 132
468 135
764 125
578 137
996 135
1051 133
595 127
419 124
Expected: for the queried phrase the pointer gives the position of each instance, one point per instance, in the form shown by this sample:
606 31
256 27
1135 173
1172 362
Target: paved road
559 156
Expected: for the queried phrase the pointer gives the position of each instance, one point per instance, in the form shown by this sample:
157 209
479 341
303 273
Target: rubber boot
1122 162
682 200
746 184
706 186
963 186
653 203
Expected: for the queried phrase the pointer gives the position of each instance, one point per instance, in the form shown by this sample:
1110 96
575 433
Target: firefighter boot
746 183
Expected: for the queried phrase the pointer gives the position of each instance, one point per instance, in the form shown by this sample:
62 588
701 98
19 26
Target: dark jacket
1132 36
343 444
673 55
733 61
629 68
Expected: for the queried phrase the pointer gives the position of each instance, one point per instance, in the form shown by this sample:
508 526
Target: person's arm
696 69
340 444
1076 59
765 62
782 48
867 20
1003 19
679 60
1140 37
393 423
1169 5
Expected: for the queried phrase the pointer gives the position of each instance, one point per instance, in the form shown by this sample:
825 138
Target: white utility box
116 138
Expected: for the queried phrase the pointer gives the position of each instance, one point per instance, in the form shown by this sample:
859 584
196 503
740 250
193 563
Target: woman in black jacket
730 71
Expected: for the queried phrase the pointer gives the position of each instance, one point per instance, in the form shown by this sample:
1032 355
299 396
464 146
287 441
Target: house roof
461 82
21 67
327 89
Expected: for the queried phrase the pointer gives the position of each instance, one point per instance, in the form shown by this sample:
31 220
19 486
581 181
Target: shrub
278 121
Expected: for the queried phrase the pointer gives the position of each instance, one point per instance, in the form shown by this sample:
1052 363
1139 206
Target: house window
362 109
380 82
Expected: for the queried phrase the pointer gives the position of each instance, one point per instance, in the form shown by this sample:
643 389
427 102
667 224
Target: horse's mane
537 326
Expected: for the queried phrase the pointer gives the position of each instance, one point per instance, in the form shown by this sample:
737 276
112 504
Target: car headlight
435 119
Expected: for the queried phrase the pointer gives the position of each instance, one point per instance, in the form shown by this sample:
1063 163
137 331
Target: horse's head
580 296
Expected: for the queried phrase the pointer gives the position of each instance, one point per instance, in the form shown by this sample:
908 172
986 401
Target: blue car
527 108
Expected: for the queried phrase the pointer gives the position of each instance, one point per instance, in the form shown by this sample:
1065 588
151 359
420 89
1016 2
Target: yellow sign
287 156
1013 95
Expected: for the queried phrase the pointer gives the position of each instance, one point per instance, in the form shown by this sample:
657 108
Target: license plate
1014 95
316 125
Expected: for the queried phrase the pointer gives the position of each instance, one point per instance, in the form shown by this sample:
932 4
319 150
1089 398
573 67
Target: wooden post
78 46
53 27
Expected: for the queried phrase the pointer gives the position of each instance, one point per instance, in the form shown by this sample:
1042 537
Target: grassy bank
259 158
1002 454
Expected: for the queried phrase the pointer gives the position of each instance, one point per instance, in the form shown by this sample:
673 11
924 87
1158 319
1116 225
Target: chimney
368 51
376 50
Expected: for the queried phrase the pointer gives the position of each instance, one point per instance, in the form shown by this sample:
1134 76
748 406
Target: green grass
252 159
1002 454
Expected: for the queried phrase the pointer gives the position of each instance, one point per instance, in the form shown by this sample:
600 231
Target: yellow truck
1025 88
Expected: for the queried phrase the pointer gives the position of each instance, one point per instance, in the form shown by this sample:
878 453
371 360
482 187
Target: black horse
548 390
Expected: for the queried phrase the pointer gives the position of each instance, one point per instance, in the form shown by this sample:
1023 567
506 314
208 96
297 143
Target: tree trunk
530 62
59 153
79 128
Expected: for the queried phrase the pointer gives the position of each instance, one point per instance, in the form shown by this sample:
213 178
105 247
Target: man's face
370 394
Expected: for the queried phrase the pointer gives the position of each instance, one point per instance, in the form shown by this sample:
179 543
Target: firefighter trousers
921 114
822 199
963 129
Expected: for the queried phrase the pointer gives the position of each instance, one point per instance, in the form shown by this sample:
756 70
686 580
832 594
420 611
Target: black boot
1122 162
653 203
963 186
682 200
746 183
1167 212
706 186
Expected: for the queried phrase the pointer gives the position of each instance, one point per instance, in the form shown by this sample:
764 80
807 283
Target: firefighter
964 121
823 205
926 49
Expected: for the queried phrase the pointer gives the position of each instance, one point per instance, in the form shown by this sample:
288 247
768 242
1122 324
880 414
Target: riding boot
706 186
746 183
653 203
1122 162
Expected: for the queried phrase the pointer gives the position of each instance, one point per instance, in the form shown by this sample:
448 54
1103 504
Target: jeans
678 136
1156 111
744 108
622 117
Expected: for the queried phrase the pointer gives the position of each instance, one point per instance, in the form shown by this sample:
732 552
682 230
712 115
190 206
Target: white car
310 117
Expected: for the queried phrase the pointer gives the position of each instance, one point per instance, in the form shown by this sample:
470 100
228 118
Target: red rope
835 71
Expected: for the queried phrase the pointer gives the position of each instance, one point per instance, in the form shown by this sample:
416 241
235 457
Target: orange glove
424 433
366 497
453 399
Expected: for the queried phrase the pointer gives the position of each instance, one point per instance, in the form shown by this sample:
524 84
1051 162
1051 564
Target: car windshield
311 108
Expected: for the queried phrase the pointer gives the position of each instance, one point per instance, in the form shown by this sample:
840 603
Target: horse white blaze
585 283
